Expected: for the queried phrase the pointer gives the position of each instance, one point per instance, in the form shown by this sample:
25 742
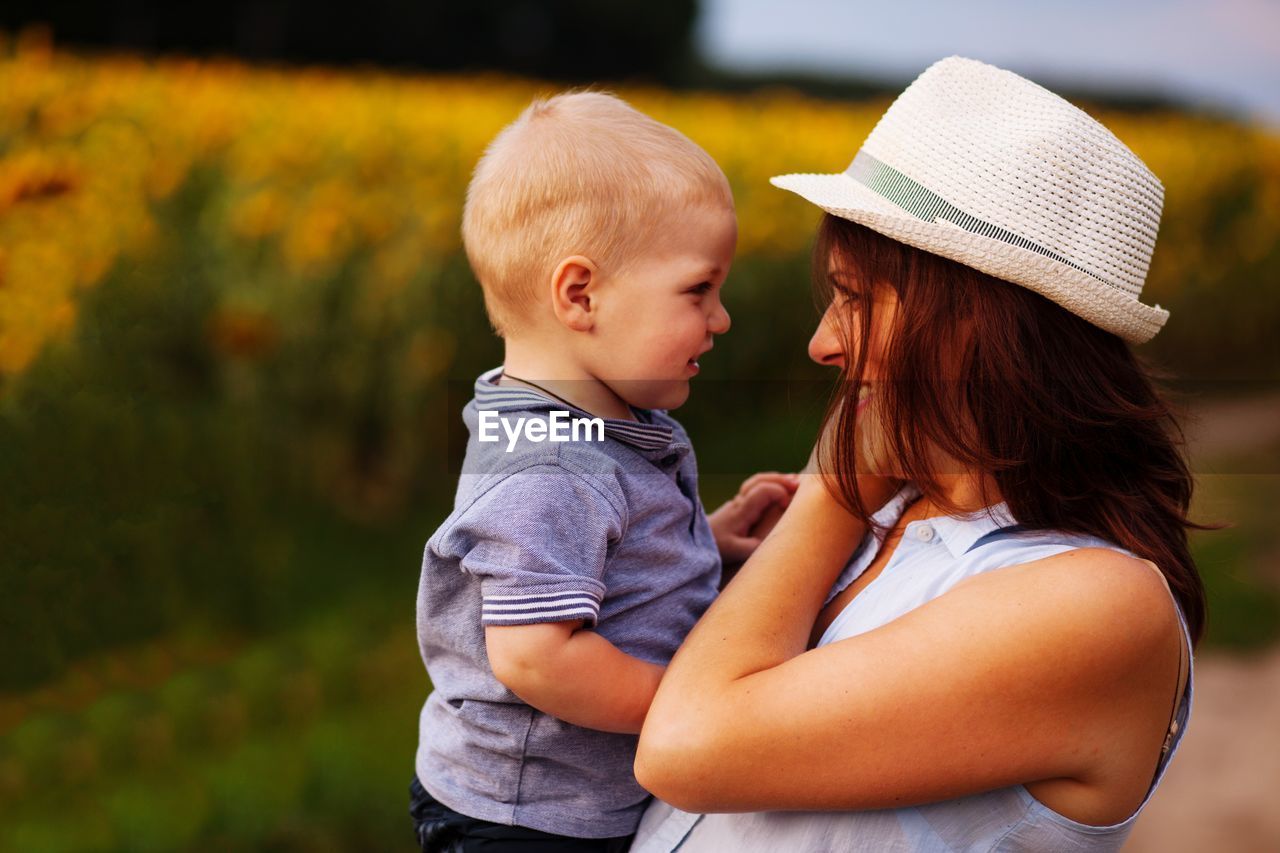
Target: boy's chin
658 394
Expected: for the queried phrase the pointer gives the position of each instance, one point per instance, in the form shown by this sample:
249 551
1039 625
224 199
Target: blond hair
581 173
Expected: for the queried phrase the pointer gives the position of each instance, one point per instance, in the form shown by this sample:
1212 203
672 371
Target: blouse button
925 533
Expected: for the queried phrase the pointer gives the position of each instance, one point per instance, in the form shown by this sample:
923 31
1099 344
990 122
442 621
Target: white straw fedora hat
974 163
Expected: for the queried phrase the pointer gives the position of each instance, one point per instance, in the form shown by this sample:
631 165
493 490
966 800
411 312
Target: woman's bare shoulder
1098 573
1119 602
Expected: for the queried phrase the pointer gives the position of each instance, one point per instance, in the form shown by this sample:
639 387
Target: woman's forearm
765 615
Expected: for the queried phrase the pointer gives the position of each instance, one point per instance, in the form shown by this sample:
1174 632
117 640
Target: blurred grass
303 742
1240 564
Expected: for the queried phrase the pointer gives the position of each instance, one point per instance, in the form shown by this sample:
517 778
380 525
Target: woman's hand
743 522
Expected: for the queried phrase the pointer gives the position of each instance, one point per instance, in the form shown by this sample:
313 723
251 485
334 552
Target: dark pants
442 830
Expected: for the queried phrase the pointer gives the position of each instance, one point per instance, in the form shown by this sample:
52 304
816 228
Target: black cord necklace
557 396
543 390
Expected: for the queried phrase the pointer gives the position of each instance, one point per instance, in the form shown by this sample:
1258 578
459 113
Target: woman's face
841 324
841 327
836 343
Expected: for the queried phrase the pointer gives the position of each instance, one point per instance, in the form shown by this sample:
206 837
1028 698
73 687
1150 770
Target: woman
1004 661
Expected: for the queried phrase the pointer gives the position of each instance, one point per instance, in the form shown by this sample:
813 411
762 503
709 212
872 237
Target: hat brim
1103 305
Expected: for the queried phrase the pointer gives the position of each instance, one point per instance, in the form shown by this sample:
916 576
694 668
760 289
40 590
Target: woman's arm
1013 676
792 571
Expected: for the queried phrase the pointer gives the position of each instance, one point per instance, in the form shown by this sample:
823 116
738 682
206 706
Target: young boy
578 554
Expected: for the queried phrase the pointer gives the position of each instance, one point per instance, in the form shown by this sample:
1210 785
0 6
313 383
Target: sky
1220 52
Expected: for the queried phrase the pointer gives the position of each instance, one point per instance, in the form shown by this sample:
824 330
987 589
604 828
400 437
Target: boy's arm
538 541
573 674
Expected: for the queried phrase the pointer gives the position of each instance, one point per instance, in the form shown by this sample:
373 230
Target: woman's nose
825 347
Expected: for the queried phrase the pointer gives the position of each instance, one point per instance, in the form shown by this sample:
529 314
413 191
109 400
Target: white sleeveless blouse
933 555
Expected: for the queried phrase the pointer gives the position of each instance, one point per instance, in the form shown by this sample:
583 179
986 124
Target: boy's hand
742 523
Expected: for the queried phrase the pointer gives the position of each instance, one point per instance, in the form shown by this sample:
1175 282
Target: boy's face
660 314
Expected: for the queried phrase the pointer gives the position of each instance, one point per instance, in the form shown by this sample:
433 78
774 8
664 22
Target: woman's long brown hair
1060 414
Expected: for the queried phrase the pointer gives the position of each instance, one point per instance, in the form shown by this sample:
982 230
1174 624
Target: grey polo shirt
610 531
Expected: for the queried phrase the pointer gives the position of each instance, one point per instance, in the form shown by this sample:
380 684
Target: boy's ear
574 285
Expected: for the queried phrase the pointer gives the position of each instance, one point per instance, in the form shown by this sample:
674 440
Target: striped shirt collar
504 398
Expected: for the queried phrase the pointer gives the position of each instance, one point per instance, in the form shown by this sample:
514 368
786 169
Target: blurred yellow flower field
317 166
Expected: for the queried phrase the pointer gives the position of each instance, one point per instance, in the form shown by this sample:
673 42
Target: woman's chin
874 458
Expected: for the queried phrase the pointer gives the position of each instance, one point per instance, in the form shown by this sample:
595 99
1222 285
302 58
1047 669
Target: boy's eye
700 288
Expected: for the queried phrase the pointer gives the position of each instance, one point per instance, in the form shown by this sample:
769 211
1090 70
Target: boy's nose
719 322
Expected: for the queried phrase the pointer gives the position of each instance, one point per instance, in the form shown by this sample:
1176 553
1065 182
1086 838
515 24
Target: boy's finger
757 478
788 481
751 481
762 497
741 547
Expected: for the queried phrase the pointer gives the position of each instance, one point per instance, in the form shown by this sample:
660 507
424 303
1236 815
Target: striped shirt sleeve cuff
532 608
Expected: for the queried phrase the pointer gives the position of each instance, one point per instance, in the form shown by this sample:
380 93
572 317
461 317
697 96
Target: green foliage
232 754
